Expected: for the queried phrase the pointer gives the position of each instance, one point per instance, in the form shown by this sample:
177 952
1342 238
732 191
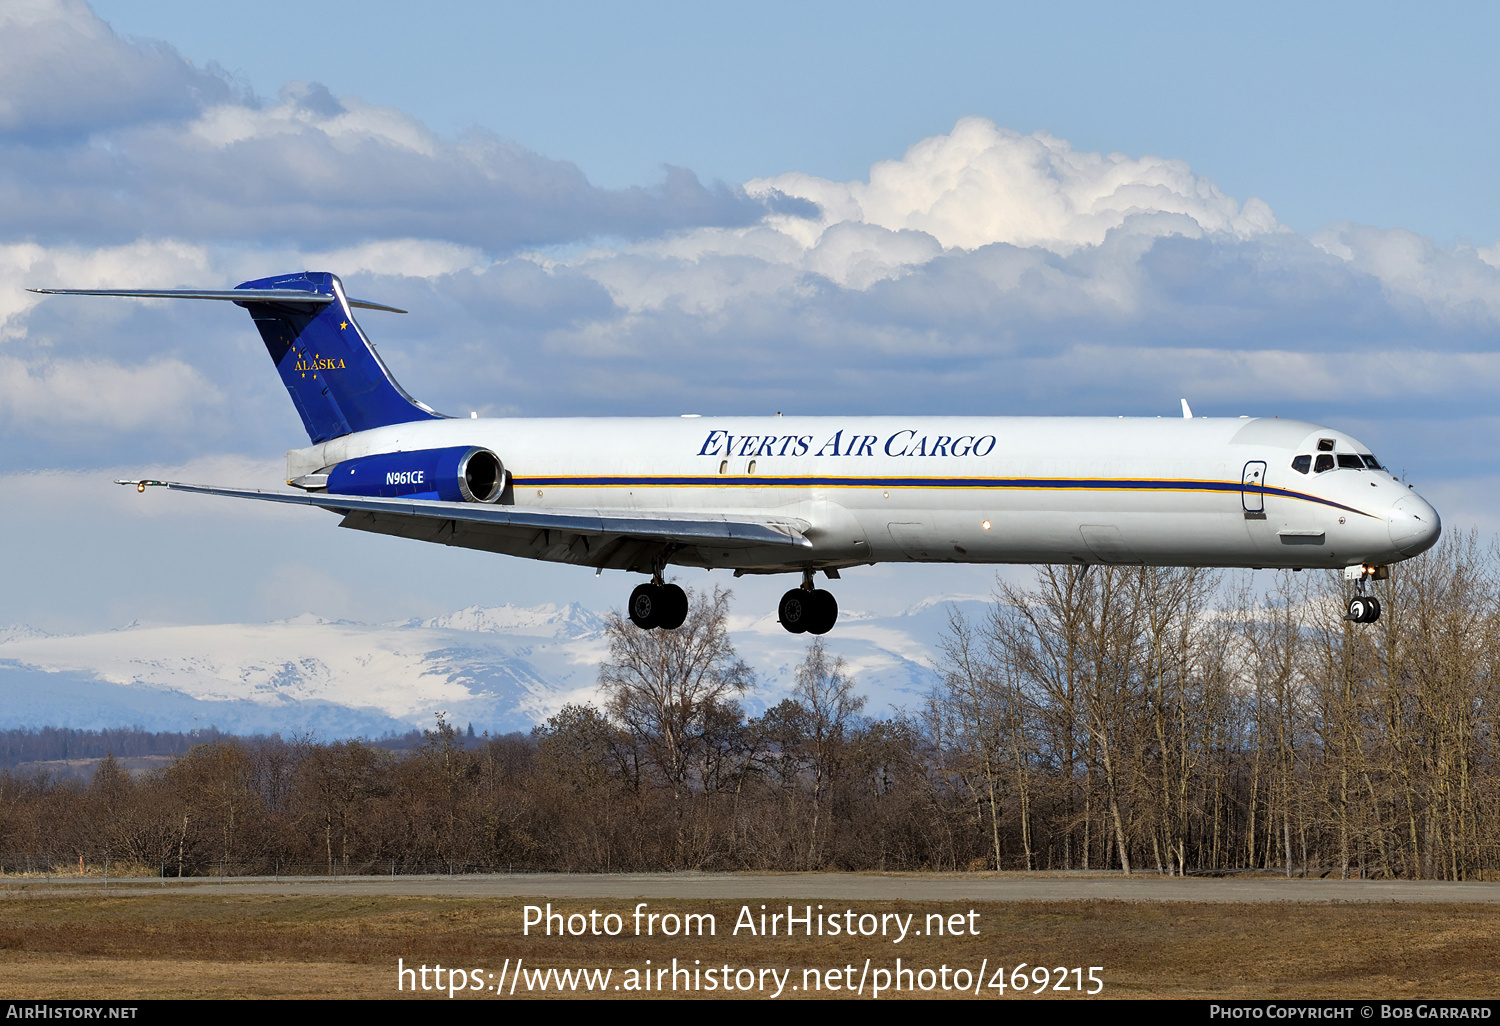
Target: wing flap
605 552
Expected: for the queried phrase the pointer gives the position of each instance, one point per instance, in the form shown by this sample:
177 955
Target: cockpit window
1325 462
1370 461
1301 464
1348 461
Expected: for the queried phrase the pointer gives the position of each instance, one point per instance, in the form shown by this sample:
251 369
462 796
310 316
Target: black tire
825 612
674 607
646 606
1363 609
796 610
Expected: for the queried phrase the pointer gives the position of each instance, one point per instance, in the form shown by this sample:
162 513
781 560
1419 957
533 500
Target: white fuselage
1168 491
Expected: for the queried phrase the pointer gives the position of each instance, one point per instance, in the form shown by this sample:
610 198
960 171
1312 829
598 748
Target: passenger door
1252 494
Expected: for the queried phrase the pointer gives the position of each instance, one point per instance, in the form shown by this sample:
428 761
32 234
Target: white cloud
45 396
311 109
982 184
1185 291
40 490
408 258
1460 284
65 72
144 264
978 186
857 255
1237 376
106 139
982 271
701 287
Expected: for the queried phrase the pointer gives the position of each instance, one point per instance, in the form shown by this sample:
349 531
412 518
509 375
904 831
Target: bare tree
1078 640
826 692
343 776
668 687
981 693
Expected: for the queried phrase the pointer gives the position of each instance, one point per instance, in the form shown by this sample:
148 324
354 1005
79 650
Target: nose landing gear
1364 608
807 609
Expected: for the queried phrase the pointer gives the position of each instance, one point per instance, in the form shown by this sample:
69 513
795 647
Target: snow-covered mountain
500 668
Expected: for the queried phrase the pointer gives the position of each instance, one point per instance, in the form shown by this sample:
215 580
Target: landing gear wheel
673 603
795 610
646 606
1363 609
803 611
658 605
825 612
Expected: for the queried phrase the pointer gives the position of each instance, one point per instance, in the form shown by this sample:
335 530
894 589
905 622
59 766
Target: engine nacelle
463 473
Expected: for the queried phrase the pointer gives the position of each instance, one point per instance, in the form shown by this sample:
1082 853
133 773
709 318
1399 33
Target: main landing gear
1364 608
658 605
807 609
804 610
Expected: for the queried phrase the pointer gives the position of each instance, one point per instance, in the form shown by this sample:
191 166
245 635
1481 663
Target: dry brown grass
65 870
176 946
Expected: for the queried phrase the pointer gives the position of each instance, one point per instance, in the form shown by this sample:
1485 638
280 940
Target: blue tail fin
337 381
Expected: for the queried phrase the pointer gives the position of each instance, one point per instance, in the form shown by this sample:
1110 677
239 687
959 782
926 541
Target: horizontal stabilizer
289 296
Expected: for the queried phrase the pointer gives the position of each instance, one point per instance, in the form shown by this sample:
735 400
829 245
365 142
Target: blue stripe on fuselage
978 483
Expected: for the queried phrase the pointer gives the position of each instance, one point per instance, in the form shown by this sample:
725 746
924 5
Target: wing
613 539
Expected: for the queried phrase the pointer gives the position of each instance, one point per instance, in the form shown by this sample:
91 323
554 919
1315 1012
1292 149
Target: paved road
795 886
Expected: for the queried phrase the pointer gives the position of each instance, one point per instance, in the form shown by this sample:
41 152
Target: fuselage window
1301 464
1350 462
1370 461
1325 462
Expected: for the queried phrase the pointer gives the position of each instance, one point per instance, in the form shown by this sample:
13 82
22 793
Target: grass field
174 945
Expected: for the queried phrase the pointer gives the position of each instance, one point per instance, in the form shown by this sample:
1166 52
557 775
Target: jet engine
462 473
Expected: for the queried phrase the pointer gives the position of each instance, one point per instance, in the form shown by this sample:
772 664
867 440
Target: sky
663 208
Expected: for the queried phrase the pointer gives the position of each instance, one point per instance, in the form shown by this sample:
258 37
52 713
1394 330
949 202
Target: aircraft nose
1414 525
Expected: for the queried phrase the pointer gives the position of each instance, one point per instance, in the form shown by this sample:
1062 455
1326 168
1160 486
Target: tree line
1111 718
42 744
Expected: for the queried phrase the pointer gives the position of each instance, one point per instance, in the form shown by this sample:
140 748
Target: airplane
768 495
